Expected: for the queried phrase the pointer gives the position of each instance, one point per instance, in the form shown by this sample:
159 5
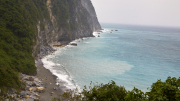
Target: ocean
132 56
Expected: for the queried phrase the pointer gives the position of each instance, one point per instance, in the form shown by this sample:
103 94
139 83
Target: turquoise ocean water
132 56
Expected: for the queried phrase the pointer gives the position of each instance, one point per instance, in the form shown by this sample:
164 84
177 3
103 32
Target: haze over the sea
139 12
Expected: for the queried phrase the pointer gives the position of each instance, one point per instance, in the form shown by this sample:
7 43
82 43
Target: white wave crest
64 80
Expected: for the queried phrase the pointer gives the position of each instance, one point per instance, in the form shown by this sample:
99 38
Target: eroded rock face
93 20
82 17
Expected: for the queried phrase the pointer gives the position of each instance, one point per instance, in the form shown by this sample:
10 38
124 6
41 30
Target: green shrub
165 91
160 91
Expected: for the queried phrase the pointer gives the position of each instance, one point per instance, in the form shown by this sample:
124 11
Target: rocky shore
42 87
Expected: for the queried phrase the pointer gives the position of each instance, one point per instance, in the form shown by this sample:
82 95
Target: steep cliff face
29 29
69 20
93 17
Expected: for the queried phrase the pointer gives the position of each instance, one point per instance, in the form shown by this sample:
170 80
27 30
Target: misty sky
139 12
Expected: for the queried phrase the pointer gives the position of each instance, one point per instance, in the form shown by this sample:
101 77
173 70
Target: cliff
77 20
94 24
29 29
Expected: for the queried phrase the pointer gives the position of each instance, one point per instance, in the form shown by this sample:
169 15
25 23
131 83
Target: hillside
29 29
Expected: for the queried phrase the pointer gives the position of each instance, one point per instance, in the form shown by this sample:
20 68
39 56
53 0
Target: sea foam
64 80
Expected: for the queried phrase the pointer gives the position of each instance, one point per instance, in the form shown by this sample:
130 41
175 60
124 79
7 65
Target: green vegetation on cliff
18 29
61 10
18 33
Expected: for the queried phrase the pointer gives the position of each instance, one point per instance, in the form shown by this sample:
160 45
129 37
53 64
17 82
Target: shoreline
49 79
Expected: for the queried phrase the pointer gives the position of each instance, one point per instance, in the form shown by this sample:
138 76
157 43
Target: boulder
31 89
37 99
52 92
55 88
31 78
40 89
74 44
37 85
25 78
23 94
27 87
33 84
36 79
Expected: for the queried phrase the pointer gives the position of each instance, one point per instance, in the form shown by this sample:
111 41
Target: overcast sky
139 12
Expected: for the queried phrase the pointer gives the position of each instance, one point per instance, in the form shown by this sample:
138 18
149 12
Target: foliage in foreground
159 91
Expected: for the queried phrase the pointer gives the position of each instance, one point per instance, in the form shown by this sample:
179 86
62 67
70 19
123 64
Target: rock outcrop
80 22
93 20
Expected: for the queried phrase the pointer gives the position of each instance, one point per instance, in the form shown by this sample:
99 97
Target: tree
165 91
160 91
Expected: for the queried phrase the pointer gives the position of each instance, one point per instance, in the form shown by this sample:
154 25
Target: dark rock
37 99
74 44
31 78
98 36
55 88
23 94
33 84
116 30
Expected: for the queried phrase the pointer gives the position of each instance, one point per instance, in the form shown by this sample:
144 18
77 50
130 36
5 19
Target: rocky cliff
69 20
94 24
29 29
